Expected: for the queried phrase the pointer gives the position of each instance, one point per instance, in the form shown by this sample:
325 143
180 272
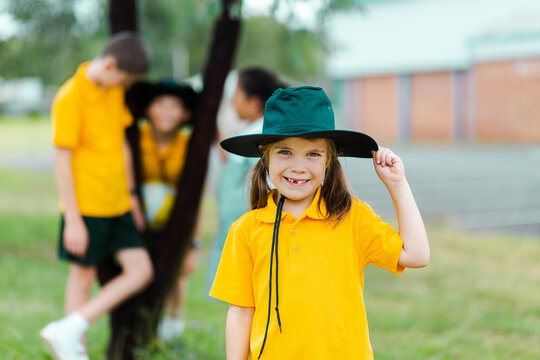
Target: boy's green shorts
106 237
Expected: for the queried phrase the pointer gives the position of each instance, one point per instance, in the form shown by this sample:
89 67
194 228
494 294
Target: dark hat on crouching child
142 93
305 112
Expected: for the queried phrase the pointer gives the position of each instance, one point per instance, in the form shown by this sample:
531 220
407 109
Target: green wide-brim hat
305 112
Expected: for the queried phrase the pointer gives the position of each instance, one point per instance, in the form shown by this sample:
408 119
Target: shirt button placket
296 247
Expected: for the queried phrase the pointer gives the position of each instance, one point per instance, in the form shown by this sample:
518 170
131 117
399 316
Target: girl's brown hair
334 190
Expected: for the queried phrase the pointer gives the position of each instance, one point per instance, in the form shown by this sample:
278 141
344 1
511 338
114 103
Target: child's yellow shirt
91 122
321 279
162 165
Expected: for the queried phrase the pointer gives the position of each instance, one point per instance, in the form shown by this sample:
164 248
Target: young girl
292 268
255 86
169 109
164 137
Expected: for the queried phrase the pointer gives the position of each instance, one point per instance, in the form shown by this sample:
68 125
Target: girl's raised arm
390 169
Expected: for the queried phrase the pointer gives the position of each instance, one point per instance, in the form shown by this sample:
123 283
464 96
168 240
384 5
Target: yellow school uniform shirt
91 122
321 279
162 165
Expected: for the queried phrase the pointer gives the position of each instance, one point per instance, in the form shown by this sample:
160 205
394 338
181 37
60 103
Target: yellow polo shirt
91 122
321 279
162 165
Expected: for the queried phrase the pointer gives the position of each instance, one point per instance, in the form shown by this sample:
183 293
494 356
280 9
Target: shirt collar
92 91
268 213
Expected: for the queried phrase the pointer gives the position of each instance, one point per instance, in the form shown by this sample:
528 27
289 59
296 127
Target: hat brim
349 143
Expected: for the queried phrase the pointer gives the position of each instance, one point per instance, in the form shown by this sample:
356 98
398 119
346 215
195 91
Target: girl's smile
296 168
296 181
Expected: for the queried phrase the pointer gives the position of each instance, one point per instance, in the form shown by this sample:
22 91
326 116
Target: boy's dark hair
129 51
334 190
259 82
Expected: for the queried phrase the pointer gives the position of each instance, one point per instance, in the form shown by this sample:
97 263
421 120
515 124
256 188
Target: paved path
485 187
474 187
27 161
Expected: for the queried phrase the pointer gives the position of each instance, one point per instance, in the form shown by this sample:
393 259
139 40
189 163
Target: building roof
403 36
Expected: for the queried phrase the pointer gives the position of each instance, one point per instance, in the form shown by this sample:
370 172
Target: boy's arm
136 208
237 332
75 235
389 167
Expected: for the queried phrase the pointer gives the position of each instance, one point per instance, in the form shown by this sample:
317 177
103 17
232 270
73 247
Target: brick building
439 70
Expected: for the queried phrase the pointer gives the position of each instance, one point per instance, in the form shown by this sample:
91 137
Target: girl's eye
284 152
314 154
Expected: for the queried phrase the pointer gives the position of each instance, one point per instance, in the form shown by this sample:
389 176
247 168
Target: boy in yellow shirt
94 176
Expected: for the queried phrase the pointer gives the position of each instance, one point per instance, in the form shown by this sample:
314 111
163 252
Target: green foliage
167 25
51 45
267 42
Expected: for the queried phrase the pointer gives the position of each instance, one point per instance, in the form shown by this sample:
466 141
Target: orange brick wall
496 101
508 101
379 107
431 106
355 104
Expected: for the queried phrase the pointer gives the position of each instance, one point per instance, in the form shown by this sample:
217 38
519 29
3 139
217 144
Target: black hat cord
275 236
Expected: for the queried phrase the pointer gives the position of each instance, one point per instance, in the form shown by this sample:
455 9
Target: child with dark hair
292 268
94 174
129 52
168 109
255 86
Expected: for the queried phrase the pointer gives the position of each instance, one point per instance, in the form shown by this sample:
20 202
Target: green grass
478 298
33 279
23 134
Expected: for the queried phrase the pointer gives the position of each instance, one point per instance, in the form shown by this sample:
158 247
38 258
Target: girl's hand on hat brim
388 166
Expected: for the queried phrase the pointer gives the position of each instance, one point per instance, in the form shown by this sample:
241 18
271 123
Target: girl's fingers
376 155
380 155
390 157
384 157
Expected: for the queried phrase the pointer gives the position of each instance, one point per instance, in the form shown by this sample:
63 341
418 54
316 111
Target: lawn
25 135
478 298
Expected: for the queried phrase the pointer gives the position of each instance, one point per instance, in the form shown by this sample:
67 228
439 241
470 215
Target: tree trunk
133 324
122 16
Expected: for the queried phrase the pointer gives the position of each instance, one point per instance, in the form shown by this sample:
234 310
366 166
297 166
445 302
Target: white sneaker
83 355
61 344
